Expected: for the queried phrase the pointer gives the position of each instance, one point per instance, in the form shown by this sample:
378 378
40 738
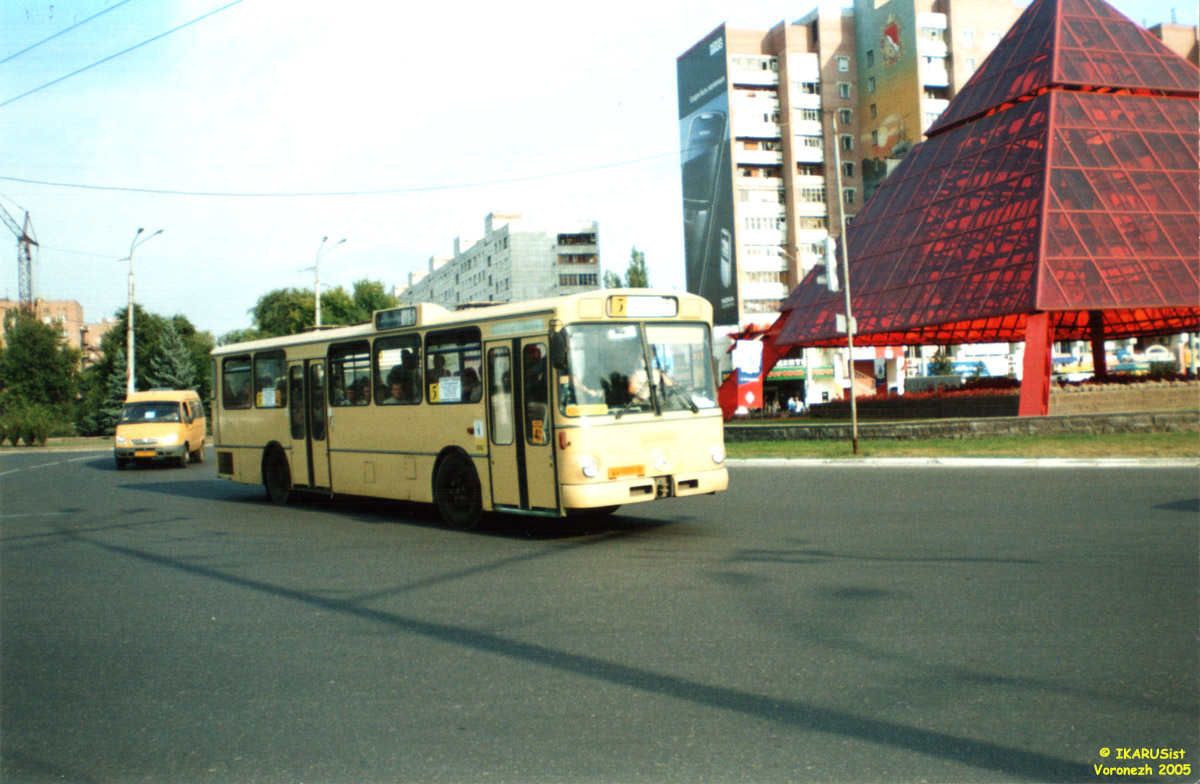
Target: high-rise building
514 260
784 130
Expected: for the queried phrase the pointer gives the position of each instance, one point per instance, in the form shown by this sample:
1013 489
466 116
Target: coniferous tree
172 366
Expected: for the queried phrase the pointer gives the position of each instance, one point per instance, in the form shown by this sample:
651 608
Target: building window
849 194
808 88
970 64
870 57
993 38
809 169
814 141
843 64
870 84
848 169
843 89
845 116
847 142
875 138
873 111
810 115
811 195
968 37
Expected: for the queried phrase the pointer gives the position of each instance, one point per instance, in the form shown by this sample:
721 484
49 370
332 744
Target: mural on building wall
710 260
890 86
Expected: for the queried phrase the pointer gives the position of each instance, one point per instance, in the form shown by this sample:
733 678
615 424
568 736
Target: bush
32 424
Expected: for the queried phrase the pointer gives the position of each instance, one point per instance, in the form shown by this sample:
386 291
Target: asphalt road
814 623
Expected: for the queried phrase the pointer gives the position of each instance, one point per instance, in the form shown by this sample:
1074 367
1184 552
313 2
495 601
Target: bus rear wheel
277 479
457 493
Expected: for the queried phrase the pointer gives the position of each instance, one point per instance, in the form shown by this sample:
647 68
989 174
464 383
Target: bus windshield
607 369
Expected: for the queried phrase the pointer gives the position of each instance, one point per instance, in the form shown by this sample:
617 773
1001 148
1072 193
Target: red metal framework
1062 180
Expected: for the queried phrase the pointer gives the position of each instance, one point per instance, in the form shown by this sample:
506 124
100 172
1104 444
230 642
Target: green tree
150 335
941 365
37 367
288 311
370 296
636 274
106 416
284 312
172 366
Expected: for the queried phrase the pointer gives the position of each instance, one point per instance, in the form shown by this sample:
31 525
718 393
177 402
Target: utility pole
131 378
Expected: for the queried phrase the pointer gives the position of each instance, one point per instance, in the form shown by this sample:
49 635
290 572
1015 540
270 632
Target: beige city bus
580 403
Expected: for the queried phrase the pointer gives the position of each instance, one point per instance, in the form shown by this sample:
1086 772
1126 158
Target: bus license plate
144 453
623 471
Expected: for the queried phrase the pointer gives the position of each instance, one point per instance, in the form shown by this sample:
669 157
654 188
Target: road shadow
383 511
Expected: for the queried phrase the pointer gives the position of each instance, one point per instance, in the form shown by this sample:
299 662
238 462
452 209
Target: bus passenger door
310 452
519 426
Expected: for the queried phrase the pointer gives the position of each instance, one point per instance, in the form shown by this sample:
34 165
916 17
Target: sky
264 126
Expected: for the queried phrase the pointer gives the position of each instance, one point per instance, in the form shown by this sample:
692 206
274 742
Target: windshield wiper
632 401
684 396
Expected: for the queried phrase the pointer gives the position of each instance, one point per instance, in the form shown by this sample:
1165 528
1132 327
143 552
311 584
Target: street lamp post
841 202
316 268
131 377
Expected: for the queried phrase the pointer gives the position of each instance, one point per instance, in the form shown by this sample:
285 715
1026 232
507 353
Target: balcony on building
753 71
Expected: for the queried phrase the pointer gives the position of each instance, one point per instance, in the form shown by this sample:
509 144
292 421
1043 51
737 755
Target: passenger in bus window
472 390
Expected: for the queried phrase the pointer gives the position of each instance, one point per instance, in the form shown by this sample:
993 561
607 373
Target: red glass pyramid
1063 178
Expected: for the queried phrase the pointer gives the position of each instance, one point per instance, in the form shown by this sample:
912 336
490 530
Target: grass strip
1075 445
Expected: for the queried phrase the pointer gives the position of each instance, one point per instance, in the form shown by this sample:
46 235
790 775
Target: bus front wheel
457 493
277 479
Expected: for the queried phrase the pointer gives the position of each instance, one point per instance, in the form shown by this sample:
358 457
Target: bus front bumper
647 488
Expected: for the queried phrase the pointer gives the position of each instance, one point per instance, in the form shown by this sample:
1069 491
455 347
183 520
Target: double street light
316 269
131 376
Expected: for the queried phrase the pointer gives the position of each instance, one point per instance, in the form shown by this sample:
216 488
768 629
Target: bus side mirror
558 350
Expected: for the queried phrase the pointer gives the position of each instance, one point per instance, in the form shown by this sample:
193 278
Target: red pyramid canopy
1084 43
1066 198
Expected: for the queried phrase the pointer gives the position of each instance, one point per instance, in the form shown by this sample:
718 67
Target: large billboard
710 254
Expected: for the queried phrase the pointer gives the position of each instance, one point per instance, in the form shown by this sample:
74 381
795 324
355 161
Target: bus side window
499 381
235 382
269 391
350 374
452 364
397 370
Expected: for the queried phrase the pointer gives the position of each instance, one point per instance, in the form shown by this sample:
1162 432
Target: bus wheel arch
457 492
276 474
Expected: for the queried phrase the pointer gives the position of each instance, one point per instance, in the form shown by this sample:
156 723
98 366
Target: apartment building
67 317
514 260
785 130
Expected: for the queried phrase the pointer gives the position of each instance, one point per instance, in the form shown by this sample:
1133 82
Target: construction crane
26 242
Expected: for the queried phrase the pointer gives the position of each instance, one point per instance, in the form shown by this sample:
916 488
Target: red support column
1099 358
1035 378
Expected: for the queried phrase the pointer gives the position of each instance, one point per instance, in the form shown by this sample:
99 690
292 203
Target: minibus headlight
590 466
120 440
168 439
718 454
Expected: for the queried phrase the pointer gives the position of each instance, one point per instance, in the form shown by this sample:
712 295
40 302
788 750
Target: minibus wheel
277 479
456 492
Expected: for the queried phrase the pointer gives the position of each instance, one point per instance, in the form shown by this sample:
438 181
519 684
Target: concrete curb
968 462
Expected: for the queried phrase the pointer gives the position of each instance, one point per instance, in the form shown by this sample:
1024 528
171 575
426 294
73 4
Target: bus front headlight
168 439
718 454
589 466
120 440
